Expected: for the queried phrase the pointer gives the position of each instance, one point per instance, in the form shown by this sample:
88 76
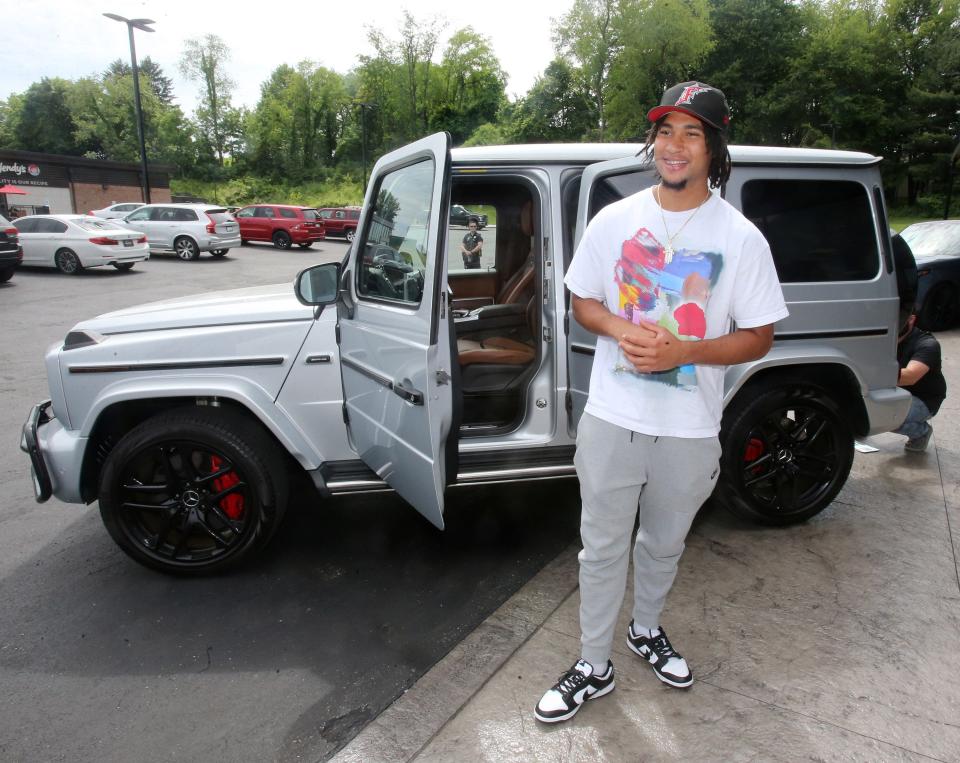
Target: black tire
281 239
197 515
6 275
123 265
67 262
244 242
307 245
219 252
186 248
787 452
350 233
939 311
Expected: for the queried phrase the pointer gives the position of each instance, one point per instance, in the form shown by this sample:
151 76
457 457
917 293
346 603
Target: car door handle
409 394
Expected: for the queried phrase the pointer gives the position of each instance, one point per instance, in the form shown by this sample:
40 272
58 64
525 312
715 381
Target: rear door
395 331
601 184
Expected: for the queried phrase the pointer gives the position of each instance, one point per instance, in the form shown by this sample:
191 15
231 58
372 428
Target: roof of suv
183 205
597 152
283 206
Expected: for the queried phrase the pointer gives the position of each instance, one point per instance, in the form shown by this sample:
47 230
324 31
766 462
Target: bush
336 191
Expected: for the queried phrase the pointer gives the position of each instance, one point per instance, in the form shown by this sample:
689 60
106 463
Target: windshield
928 240
219 215
311 214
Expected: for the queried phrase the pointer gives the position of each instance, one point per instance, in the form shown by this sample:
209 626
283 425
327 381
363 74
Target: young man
659 277
472 246
918 353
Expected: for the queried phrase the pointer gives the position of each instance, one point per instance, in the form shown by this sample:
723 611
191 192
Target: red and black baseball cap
704 102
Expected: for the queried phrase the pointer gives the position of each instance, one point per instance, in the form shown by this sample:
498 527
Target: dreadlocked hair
720 163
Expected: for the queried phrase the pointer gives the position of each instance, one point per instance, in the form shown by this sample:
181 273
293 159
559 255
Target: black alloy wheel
123 265
281 240
940 309
67 262
787 452
193 491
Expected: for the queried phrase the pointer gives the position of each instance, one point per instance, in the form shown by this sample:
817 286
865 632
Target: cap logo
689 93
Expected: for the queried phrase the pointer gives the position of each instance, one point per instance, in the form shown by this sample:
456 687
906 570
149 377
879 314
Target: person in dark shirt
918 353
472 246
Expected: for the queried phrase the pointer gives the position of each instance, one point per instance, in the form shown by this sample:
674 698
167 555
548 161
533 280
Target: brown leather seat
519 286
499 350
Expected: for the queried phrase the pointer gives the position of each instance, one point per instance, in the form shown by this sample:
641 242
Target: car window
185 215
219 215
288 213
339 214
26 225
818 230
354 214
264 212
325 214
142 214
310 214
93 224
46 225
397 220
245 212
125 207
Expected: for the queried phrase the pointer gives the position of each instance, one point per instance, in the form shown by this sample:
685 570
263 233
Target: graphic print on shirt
670 292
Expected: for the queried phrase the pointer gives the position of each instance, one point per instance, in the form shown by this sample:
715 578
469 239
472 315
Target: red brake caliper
231 504
753 451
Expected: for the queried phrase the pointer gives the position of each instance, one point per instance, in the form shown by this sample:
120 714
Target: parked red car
283 224
341 221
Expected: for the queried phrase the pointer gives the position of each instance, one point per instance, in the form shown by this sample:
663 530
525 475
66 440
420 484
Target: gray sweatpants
668 479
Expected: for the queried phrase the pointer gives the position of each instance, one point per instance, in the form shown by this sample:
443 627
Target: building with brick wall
65 184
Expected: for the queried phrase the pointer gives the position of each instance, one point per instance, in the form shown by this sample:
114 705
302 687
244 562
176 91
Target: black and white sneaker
574 688
656 649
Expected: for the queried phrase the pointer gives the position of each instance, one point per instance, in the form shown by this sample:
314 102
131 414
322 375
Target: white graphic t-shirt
719 271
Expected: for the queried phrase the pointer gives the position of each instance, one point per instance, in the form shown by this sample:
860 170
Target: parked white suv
400 367
186 229
116 211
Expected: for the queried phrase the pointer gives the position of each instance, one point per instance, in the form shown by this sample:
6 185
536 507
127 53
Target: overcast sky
71 39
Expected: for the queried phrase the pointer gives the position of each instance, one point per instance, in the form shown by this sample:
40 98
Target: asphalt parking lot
285 659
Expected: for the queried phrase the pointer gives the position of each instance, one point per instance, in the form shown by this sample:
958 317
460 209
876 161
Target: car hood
929 259
254 304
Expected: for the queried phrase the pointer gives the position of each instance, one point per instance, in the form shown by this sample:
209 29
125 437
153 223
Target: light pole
140 24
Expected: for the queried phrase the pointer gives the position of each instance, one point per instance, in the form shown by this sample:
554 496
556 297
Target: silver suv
186 229
186 418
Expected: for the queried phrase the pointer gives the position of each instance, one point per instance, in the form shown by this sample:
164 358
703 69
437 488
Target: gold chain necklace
668 249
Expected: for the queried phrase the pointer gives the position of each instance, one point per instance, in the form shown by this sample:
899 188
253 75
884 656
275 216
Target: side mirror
318 285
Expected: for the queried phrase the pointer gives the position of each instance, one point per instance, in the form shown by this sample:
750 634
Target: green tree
556 108
662 42
470 85
45 122
204 60
588 36
298 123
756 40
161 84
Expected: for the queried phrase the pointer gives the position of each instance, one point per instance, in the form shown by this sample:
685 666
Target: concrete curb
399 733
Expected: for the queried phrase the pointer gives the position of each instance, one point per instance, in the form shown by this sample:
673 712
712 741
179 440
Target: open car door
394 327
601 184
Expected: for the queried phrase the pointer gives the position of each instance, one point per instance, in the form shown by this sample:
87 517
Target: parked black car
936 248
460 215
11 253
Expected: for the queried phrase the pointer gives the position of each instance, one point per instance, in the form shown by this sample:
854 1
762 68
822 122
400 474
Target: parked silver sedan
71 243
116 211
